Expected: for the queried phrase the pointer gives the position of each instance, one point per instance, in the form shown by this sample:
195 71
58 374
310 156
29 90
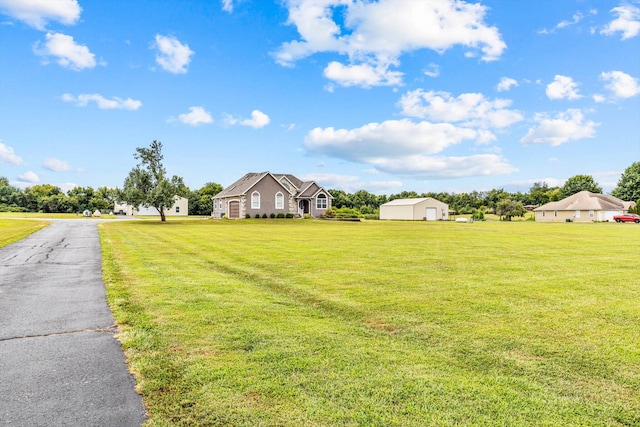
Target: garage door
432 214
234 209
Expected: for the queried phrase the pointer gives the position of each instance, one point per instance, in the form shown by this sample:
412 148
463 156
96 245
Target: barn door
432 214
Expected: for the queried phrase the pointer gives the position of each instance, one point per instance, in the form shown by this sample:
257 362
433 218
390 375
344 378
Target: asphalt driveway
60 364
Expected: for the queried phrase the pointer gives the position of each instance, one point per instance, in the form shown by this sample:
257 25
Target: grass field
12 230
318 323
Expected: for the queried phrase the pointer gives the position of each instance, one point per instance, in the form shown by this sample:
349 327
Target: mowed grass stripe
378 323
13 230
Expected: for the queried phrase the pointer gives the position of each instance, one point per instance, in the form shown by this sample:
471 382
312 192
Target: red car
627 218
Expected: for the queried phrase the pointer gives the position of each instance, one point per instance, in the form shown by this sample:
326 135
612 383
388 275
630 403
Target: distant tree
579 183
79 198
147 183
628 187
341 199
540 193
200 201
11 198
404 195
37 198
508 208
493 197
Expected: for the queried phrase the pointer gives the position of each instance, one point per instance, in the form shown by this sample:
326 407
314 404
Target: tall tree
579 183
148 184
628 187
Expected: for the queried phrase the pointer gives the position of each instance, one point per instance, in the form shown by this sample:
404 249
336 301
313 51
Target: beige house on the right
582 207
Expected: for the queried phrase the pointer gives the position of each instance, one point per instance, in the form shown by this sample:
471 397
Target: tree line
148 184
48 198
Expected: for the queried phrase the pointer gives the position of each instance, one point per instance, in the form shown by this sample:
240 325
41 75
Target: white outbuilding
418 209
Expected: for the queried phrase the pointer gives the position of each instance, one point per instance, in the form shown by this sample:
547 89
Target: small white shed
418 209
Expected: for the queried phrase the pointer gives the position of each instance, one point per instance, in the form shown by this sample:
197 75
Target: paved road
60 364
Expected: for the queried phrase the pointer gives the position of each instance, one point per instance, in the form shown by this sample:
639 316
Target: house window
321 202
591 213
177 209
555 213
279 201
543 212
255 200
577 214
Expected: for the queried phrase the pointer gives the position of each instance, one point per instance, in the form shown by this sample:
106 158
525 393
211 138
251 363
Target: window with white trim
279 200
591 213
255 200
321 202
577 213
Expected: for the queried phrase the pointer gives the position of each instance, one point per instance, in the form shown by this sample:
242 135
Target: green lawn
12 230
318 323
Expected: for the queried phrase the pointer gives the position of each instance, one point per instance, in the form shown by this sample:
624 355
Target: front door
303 207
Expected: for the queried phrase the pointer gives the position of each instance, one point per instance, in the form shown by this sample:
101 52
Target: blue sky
385 95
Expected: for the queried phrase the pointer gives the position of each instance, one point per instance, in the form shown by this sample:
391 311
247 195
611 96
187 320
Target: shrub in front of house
289 215
280 215
257 215
272 215
247 216
264 215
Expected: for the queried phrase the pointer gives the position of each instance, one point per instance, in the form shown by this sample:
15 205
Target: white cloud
563 87
8 155
196 116
577 17
392 138
36 13
566 126
627 22
68 54
103 103
365 75
29 177
377 33
434 167
56 165
227 5
432 71
258 120
506 83
621 84
468 109
172 55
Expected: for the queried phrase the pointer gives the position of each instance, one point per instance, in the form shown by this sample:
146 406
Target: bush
280 215
289 215
342 213
272 215
264 215
371 216
257 215
247 216
478 215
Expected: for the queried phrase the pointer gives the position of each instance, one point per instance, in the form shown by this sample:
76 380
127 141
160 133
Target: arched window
321 202
279 200
255 200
